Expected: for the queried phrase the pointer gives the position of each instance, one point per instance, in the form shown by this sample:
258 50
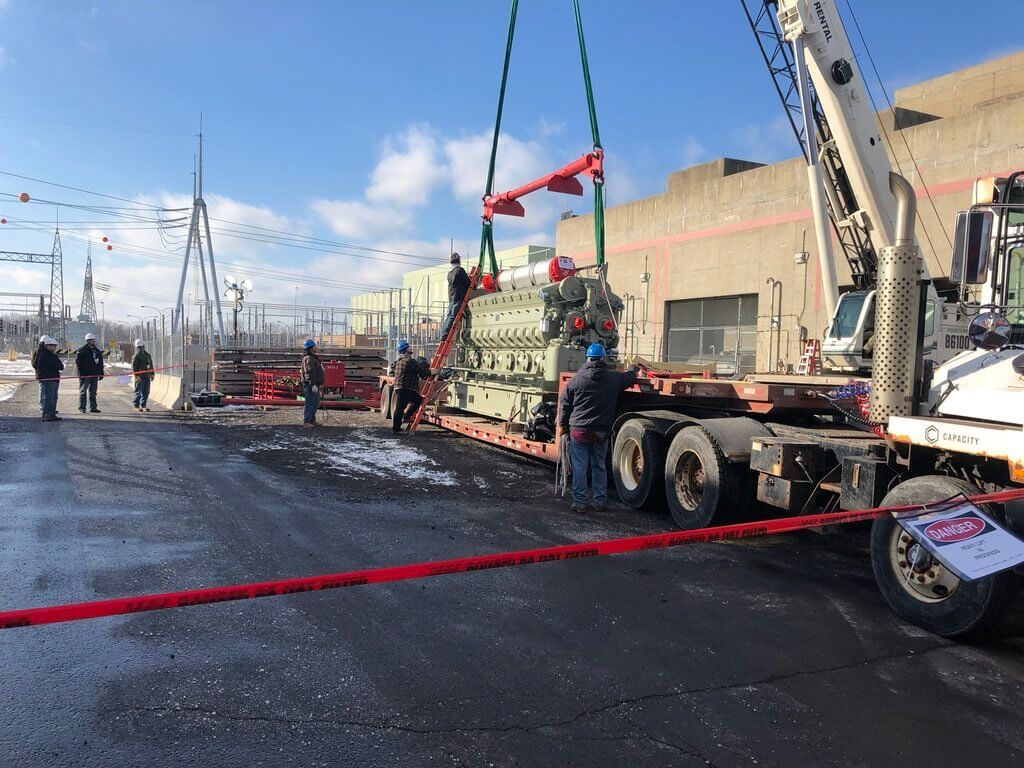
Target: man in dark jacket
142 367
586 408
48 367
408 372
458 285
89 362
311 377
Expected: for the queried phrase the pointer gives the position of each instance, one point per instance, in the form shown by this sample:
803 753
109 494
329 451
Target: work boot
309 424
145 409
579 508
94 410
597 507
81 410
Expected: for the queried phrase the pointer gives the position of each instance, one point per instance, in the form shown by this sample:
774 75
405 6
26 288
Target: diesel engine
517 340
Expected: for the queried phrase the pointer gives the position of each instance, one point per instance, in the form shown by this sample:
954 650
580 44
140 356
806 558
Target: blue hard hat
402 345
596 350
308 344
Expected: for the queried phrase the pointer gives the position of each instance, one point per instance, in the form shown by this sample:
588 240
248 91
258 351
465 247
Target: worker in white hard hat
48 367
142 367
89 361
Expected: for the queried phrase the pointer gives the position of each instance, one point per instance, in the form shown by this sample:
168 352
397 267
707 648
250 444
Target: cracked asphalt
775 652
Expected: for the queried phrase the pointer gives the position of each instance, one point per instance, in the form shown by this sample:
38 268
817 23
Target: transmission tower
195 240
88 298
57 315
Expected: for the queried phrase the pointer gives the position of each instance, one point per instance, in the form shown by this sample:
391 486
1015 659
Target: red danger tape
117 373
92 610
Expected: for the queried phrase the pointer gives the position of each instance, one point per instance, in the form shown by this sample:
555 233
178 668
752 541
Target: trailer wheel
385 401
700 485
928 594
638 464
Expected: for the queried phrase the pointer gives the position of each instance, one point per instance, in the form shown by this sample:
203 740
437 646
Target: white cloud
358 220
517 162
549 128
693 152
765 142
407 174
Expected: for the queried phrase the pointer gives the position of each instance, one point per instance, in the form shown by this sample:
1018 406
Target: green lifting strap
487 234
592 110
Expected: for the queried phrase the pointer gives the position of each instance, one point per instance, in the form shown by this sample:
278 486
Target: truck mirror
972 245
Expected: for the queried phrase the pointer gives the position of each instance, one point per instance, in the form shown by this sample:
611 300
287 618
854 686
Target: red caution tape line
120 373
138 604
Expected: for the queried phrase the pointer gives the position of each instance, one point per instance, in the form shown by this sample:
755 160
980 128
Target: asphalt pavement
775 652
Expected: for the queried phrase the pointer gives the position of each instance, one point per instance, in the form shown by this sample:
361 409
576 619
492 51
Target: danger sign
967 541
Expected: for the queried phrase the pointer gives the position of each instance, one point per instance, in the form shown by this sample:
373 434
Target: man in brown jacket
408 372
312 379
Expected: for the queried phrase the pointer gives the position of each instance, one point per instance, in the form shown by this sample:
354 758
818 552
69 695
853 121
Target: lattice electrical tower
195 240
55 317
88 298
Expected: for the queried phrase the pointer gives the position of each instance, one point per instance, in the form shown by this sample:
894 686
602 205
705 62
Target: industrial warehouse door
721 330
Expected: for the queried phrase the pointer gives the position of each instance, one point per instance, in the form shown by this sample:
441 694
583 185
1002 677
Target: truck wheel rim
631 463
689 480
922 576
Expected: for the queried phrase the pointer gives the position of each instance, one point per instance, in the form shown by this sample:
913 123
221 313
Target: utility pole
195 238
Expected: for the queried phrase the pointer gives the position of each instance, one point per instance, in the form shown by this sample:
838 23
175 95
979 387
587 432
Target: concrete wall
725 227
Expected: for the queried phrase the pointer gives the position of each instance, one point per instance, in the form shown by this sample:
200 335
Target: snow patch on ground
359 456
7 391
20 368
237 408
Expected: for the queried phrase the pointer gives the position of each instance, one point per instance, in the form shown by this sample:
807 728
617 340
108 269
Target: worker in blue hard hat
408 372
311 376
586 409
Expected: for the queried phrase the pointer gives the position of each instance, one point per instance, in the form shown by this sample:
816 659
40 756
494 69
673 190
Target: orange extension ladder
430 385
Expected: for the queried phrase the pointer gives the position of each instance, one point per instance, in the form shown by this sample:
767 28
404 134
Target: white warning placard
966 540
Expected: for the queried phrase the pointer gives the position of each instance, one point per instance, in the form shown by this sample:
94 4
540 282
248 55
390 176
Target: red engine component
560 268
579 323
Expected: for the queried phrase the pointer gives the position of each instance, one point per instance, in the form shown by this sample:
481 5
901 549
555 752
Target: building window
720 330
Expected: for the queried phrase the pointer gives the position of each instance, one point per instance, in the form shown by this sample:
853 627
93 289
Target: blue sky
368 122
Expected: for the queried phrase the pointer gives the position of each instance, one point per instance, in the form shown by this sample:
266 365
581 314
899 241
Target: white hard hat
140 343
90 337
47 340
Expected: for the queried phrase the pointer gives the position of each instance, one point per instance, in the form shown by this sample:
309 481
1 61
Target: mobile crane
815 72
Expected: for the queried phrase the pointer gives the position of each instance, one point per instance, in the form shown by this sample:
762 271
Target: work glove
316 388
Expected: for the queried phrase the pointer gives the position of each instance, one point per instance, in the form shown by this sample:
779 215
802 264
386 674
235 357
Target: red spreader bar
563 180
99 608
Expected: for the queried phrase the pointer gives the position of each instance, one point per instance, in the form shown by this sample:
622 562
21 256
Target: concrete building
698 263
418 306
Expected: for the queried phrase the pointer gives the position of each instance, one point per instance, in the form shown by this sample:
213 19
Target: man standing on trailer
408 372
312 378
89 362
586 408
458 285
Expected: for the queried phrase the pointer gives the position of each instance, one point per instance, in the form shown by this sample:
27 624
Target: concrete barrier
167 390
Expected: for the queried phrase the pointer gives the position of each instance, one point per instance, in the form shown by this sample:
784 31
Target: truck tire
929 595
701 486
385 401
638 464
